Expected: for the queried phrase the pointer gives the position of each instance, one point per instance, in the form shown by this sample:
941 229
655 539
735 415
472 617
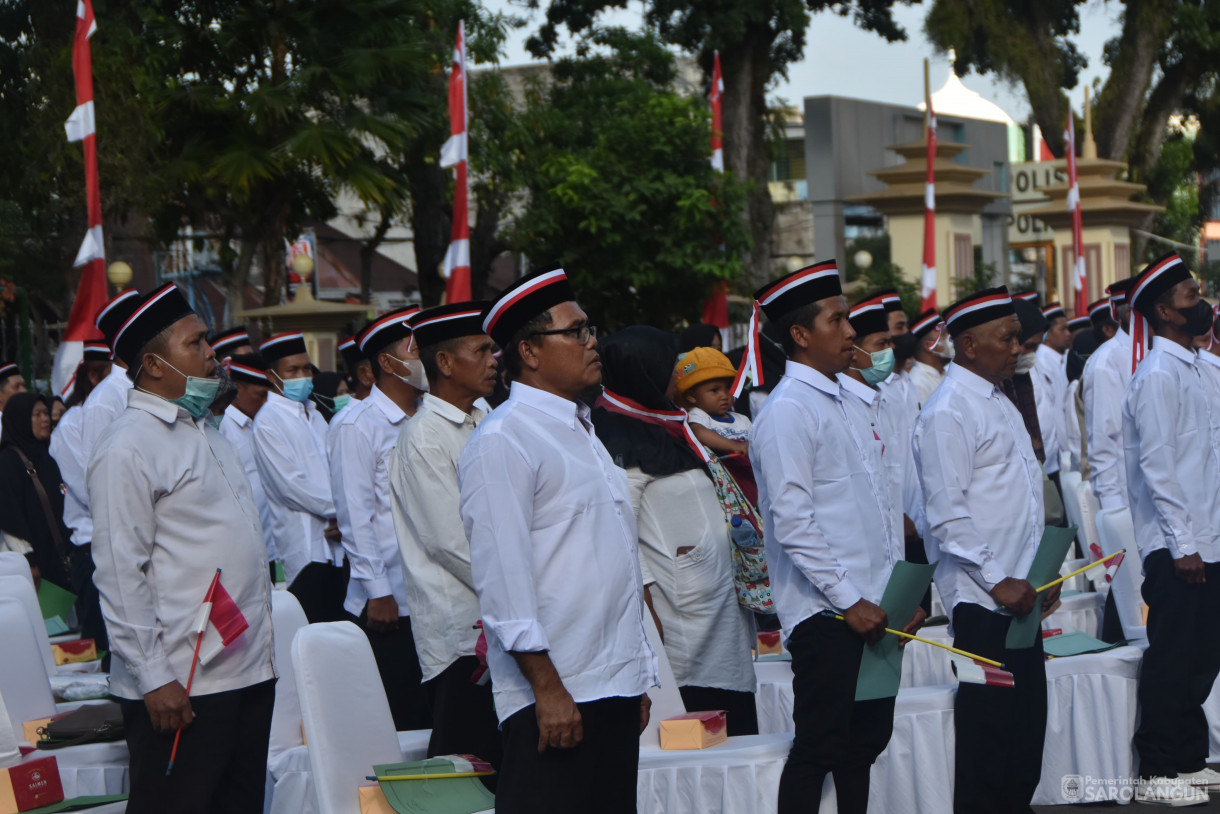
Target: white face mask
416 377
945 349
1026 362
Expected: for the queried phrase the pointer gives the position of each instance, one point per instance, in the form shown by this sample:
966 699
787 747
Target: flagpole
194 661
927 275
941 645
1079 571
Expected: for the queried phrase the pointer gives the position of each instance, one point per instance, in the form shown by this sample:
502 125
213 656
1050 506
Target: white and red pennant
454 154
1073 203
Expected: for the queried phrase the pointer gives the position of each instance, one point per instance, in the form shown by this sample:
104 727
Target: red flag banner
927 274
454 154
717 91
1081 308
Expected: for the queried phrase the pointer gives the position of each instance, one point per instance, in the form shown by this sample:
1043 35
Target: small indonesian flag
220 621
1112 567
970 671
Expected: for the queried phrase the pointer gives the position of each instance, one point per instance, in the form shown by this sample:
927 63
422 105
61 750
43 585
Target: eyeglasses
583 333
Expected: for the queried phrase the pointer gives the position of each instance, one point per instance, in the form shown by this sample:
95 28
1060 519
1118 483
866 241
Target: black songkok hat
925 323
115 313
224 343
350 352
385 331
1076 323
1099 311
96 351
445 322
248 368
798 289
8 369
1032 320
1053 311
1029 296
1118 291
524 300
869 316
890 299
156 312
277 347
1157 277
978 308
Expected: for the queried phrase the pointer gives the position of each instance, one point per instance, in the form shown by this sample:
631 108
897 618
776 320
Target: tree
757 41
620 190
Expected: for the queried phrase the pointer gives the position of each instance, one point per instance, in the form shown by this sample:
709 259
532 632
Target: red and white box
694 730
30 784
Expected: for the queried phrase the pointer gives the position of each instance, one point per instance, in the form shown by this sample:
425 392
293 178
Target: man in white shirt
172 511
290 453
1102 386
457 358
895 317
249 374
553 556
932 352
1171 432
359 370
1050 385
832 540
984 493
359 445
232 342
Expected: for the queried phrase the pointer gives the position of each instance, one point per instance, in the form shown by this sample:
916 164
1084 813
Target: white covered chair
1116 530
1069 482
13 564
22 590
1088 506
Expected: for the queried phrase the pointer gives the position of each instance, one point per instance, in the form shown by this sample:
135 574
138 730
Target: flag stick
1055 582
191 678
941 645
443 775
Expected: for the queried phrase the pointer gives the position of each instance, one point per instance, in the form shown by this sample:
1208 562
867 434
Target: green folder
1024 630
78 803
449 795
54 600
881 663
1075 644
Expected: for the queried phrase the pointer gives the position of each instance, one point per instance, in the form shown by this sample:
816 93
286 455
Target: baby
703 384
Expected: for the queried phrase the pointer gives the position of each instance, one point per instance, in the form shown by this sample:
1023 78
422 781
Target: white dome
955 99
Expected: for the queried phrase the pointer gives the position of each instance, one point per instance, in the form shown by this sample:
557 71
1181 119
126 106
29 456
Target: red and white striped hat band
281 345
891 300
385 331
1027 296
96 352
979 308
10 369
869 317
798 289
244 372
347 344
446 322
515 295
1102 305
1054 311
1079 322
925 323
158 311
526 299
232 339
121 297
1161 275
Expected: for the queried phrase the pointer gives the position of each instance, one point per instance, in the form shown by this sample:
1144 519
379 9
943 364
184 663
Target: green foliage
985 275
1174 181
620 190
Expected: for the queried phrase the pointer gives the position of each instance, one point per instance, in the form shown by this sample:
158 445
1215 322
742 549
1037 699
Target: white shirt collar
1206 356
1174 349
971 380
1049 352
565 410
813 378
858 389
445 410
234 414
386 404
299 407
163 409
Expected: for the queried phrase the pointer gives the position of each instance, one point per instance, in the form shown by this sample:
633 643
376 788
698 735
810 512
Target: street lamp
863 259
119 274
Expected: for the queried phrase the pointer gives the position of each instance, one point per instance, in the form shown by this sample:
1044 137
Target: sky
843 60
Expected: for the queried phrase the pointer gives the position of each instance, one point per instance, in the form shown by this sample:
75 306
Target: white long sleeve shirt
238 429
925 379
66 449
290 453
1211 366
1171 433
1049 377
431 538
170 505
359 451
1071 424
1103 385
831 539
99 411
983 486
553 551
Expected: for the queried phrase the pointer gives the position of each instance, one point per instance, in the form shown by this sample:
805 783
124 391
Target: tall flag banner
716 307
927 273
91 292
1073 202
453 154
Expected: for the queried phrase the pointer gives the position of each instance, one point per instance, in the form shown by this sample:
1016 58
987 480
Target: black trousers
321 588
88 602
742 712
221 766
464 716
835 733
400 674
1000 730
597 777
1179 668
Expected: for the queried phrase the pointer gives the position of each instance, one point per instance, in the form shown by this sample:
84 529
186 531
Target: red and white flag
1081 308
454 154
219 622
927 275
91 292
714 95
974 672
1112 566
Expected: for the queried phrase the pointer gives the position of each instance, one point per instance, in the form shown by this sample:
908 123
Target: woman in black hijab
703 335
683 533
25 446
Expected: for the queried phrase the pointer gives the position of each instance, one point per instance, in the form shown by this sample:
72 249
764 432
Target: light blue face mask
335 404
297 389
883 366
342 400
199 393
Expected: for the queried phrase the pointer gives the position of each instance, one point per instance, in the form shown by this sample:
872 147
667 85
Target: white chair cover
1087 505
287 618
22 590
348 727
1116 530
23 681
13 564
1069 482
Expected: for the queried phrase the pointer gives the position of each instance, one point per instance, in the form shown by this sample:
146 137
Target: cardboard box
29 730
30 784
769 644
74 652
694 730
373 801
